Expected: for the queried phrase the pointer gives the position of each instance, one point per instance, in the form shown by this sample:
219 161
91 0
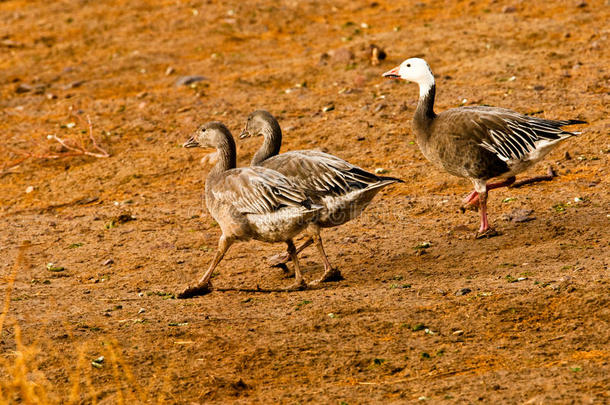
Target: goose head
413 70
256 123
210 135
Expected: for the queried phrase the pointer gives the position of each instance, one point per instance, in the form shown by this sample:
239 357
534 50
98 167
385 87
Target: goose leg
283 258
472 200
330 273
299 282
549 176
203 285
485 231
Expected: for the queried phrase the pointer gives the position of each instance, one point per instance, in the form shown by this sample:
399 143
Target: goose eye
408 65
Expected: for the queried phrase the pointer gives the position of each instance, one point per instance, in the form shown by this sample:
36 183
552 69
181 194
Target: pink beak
392 74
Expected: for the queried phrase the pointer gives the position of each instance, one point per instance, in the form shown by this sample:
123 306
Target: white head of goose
249 203
342 188
478 143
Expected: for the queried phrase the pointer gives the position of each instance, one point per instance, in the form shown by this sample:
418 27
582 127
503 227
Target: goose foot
488 233
470 203
297 286
332 275
194 291
279 260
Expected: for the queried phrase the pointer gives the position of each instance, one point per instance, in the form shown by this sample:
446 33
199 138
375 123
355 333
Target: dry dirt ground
532 326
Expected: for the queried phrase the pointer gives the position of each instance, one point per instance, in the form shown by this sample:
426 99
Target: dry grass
21 378
76 145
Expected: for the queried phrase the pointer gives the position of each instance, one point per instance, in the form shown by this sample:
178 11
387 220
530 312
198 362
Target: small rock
328 108
582 4
8 43
186 80
97 363
338 56
519 215
169 71
509 9
23 88
29 189
380 170
458 332
380 107
539 87
108 262
141 311
51 96
74 84
463 291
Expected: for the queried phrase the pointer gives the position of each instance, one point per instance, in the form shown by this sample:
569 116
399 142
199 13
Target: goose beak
244 134
392 74
191 143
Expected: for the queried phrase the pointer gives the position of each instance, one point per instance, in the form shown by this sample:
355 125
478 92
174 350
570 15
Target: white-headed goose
343 189
479 143
249 203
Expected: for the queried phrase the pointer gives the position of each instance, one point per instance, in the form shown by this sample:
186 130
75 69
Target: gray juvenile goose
249 203
343 189
479 143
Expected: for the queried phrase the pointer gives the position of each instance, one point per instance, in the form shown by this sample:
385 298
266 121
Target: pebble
186 80
337 56
380 107
463 291
108 262
458 332
141 310
73 85
519 215
23 88
29 189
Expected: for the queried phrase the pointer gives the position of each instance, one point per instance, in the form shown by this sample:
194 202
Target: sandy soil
533 324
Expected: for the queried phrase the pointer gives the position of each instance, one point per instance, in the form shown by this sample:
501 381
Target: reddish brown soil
394 330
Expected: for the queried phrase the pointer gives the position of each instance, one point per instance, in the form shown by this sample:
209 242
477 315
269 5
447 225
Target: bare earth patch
93 249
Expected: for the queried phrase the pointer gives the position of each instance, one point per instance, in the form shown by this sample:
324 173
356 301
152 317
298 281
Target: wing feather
510 135
321 172
258 190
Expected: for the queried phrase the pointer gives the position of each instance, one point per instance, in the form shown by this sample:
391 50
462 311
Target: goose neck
226 155
424 113
272 135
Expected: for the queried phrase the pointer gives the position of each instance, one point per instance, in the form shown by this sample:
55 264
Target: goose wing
513 136
257 190
321 172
